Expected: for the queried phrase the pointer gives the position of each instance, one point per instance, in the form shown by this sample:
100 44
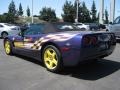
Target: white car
8 29
82 26
115 27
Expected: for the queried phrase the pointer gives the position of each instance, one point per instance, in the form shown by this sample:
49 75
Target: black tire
59 65
4 34
10 47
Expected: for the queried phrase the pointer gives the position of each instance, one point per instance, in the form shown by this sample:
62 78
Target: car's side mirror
23 29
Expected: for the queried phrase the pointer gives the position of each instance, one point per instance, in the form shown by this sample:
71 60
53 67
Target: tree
20 12
7 18
11 8
28 12
2 18
48 14
68 12
85 14
93 12
106 17
10 18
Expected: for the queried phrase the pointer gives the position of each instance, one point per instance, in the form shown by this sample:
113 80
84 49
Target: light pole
32 12
101 17
77 11
112 10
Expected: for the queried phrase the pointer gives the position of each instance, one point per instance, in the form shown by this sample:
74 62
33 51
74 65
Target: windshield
34 29
66 27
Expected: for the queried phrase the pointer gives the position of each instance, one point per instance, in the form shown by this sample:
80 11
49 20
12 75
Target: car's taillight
86 41
90 40
94 40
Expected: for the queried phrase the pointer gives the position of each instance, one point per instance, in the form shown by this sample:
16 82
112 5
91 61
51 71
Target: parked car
82 26
93 26
115 27
103 26
8 29
60 44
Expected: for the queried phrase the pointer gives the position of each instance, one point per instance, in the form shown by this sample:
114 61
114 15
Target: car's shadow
94 71
91 71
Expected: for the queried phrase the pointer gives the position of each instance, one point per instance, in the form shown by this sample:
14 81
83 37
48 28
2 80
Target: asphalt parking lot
20 73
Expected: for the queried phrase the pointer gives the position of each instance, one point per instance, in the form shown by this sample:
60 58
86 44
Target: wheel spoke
51 64
47 60
54 62
48 52
53 54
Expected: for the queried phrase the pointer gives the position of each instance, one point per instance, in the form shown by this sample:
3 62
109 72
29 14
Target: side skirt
28 53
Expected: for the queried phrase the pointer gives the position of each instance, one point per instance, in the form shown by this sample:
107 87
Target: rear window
66 27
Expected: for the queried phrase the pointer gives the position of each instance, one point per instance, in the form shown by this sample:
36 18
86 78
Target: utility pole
32 12
112 10
77 11
101 16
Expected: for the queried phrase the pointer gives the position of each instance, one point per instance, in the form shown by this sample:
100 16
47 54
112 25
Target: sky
54 4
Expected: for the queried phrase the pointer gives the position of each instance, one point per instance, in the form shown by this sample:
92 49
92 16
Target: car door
116 27
23 45
1 28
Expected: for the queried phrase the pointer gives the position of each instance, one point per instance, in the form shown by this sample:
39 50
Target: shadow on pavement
94 71
30 60
86 71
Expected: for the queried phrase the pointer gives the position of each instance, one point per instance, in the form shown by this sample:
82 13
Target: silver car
115 27
8 29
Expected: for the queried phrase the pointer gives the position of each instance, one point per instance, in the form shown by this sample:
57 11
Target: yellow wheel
52 58
7 46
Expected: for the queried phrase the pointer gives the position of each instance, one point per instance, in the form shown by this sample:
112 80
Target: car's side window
1 25
35 30
117 21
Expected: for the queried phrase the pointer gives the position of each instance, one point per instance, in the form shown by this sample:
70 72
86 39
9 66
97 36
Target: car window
35 29
78 24
117 20
1 25
65 27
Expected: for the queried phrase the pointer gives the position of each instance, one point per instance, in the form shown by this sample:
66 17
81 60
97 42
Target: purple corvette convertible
60 44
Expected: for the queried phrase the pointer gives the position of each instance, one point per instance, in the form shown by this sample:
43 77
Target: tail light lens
86 41
90 40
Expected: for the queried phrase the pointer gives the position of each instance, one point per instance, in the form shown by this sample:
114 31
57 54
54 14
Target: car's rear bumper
75 57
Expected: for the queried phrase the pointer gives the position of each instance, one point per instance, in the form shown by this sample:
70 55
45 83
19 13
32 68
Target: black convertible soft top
59 27
53 27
